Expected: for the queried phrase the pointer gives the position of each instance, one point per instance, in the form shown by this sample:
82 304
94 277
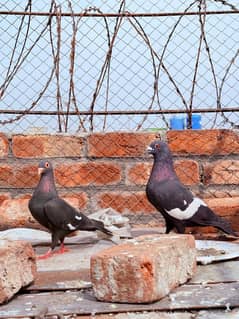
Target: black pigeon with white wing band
179 207
51 211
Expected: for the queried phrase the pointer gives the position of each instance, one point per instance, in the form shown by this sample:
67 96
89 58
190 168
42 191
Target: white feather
188 212
71 227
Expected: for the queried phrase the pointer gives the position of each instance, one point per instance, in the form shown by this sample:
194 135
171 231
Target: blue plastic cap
177 123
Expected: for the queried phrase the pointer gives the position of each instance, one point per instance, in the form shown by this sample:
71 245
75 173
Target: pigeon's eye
46 164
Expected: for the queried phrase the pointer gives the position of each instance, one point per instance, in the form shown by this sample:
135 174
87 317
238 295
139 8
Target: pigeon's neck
163 169
47 184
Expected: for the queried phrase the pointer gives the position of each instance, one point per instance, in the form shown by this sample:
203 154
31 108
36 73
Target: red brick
187 171
4 145
125 202
25 176
203 142
37 146
138 174
14 212
78 200
144 269
227 206
83 174
19 176
199 231
234 220
4 196
222 172
6 175
214 192
119 144
18 267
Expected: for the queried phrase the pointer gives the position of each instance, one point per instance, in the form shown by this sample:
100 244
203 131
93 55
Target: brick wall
99 170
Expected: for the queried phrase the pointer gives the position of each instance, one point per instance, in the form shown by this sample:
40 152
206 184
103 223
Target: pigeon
179 207
54 213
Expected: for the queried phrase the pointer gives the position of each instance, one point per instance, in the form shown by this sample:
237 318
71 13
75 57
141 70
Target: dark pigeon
179 207
59 217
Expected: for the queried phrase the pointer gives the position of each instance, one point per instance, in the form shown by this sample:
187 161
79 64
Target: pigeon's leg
62 249
49 253
180 227
60 237
169 226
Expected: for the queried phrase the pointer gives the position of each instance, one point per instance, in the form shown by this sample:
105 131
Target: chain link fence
104 66
71 67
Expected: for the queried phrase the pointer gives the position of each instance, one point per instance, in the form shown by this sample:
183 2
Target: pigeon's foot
48 254
62 250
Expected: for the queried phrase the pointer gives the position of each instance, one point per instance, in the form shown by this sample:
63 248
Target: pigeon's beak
149 149
40 170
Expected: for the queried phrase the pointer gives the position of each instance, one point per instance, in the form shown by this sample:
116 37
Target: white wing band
189 211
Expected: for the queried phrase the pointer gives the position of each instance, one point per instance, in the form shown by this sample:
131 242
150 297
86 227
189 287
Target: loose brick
18 267
222 172
125 202
186 170
203 142
143 270
37 146
82 174
4 145
118 144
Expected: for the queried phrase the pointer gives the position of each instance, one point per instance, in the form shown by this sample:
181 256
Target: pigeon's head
44 167
159 149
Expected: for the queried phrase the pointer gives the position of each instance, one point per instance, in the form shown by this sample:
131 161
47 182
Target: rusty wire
55 15
121 14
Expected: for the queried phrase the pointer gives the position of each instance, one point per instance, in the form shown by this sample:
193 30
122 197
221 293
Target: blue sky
131 78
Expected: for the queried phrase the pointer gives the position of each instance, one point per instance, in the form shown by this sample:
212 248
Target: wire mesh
100 66
63 61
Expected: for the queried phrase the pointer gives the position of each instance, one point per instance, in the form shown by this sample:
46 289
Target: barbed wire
157 60
226 3
20 60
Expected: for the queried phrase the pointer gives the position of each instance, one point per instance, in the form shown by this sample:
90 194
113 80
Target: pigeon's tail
98 225
206 217
223 225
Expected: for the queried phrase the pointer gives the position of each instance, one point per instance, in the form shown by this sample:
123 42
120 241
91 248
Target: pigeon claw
62 250
48 254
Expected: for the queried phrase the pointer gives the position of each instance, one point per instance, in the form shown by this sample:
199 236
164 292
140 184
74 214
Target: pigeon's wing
62 215
173 198
169 194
